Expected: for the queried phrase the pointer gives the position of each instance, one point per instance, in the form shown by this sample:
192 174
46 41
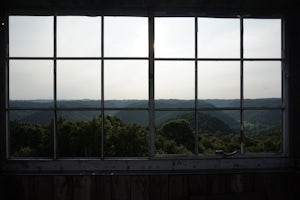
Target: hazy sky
128 37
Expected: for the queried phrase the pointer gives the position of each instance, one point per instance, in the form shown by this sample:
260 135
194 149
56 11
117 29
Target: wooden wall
257 186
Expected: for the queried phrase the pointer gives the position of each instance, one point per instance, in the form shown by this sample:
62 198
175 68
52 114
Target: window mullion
284 92
102 87
151 87
4 71
196 87
55 86
242 136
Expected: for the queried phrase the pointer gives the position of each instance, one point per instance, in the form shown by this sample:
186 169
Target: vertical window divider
55 87
196 86
151 105
242 136
102 87
284 92
6 79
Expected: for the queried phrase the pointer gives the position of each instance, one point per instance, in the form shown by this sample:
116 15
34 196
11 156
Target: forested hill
229 120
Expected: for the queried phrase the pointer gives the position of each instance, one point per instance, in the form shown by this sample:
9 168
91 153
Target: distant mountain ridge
230 118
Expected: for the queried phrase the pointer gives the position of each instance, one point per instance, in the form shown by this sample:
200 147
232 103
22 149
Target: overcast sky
128 37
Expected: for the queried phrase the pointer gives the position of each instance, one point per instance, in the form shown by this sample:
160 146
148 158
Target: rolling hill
227 119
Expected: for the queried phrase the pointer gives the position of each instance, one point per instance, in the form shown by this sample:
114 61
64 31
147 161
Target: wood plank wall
257 186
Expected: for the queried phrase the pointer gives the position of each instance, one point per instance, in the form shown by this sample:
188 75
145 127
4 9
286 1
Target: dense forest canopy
126 134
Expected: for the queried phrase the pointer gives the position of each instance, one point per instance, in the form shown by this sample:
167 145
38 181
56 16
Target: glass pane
31 80
174 80
126 36
262 38
262 82
30 36
219 131
79 80
175 37
31 133
263 130
218 38
218 81
126 80
79 36
175 132
79 134
126 134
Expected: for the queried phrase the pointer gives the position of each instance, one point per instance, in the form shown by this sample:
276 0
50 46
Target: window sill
146 166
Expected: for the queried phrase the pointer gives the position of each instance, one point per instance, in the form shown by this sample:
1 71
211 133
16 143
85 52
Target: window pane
263 130
126 36
262 80
79 134
218 131
79 36
218 38
175 37
174 80
78 80
126 80
126 134
262 38
31 80
31 133
219 81
175 132
30 36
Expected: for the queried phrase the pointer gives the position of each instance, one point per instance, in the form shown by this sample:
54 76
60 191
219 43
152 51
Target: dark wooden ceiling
98 4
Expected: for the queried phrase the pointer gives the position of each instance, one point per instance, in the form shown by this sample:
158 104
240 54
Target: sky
128 37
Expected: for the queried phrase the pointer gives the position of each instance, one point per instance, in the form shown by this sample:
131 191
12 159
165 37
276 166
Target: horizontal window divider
146 58
197 109
78 58
263 108
174 109
218 109
126 108
74 108
126 58
30 108
174 59
262 59
100 58
31 58
78 109
218 59
141 108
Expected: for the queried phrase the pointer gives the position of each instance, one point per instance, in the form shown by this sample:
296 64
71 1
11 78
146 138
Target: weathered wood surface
258 186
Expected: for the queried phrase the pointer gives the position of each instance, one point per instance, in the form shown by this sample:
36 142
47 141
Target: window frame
173 163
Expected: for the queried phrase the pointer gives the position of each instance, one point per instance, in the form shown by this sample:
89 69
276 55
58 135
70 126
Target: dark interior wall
154 3
293 52
231 185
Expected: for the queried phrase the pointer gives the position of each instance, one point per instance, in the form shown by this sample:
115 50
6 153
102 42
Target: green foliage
79 139
175 137
124 140
209 143
264 141
83 138
28 140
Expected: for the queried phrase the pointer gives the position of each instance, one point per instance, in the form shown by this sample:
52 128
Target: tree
176 136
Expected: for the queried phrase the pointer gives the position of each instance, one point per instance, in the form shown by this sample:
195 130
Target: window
111 87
